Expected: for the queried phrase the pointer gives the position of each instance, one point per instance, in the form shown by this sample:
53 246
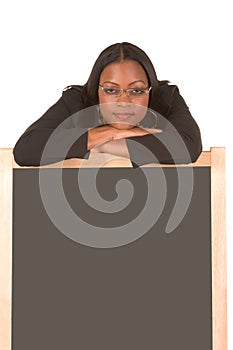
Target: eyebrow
138 81
111 82
133 82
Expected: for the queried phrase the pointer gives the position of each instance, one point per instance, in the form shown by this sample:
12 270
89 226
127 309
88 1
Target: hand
103 134
136 131
116 147
153 130
98 136
96 149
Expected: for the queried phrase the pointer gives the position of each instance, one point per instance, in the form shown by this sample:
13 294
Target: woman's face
121 109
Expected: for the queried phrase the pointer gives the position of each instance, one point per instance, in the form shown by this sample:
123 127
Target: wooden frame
214 159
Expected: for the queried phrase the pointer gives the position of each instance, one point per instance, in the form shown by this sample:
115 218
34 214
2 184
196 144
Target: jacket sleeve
53 130
180 141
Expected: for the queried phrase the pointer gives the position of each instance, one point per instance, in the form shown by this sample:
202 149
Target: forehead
123 72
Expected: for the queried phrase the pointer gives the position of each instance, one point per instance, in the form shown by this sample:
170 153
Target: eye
110 91
138 91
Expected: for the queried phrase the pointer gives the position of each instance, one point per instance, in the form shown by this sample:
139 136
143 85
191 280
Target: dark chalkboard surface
152 293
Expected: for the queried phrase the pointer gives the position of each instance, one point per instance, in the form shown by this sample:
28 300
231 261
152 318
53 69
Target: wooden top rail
104 160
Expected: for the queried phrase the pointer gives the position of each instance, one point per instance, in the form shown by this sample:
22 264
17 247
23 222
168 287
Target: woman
123 109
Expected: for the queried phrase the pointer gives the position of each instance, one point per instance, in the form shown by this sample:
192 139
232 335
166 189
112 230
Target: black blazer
180 141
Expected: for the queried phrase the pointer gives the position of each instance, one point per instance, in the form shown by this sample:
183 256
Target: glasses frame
127 91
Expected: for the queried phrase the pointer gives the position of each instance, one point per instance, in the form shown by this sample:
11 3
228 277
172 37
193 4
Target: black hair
116 53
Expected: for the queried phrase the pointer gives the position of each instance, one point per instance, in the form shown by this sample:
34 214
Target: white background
47 45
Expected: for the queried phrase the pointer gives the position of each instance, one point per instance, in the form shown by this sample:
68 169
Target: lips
123 116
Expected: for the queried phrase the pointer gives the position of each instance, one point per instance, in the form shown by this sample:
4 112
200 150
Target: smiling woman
123 109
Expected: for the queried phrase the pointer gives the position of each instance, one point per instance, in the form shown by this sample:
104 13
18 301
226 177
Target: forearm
168 147
105 134
43 146
115 147
100 135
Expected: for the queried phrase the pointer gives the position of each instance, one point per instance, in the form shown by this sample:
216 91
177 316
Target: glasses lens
111 91
138 93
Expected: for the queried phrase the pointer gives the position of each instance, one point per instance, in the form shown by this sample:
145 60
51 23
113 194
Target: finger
154 130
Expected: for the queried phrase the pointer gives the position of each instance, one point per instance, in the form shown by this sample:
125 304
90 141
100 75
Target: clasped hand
107 139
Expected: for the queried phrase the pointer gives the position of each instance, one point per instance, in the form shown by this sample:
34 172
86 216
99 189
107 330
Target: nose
124 98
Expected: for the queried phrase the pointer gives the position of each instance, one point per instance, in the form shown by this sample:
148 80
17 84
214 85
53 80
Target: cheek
106 109
144 102
141 109
140 112
102 98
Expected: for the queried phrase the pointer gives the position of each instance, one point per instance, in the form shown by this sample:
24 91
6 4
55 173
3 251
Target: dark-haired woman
123 109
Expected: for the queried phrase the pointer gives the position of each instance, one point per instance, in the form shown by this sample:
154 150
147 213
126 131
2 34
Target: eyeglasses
133 93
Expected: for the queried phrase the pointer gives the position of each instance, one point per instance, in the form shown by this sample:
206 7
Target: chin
122 126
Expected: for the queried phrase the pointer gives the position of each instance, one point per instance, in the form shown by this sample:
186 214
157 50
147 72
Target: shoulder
167 92
169 96
73 97
163 98
73 88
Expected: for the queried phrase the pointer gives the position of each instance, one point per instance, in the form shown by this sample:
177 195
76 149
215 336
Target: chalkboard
164 289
